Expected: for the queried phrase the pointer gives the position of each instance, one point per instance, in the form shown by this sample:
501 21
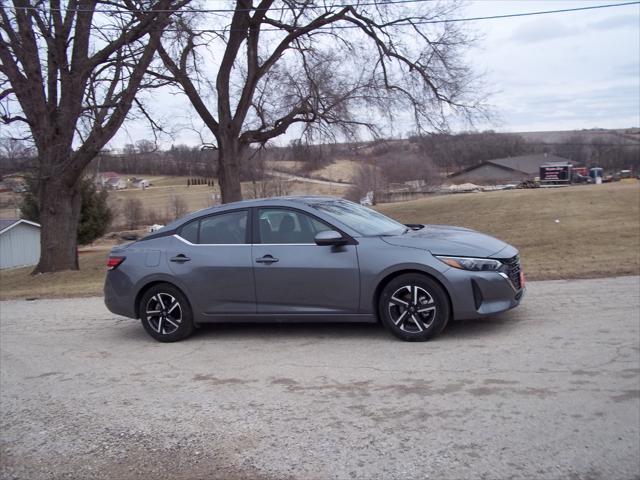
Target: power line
406 23
220 10
346 5
543 12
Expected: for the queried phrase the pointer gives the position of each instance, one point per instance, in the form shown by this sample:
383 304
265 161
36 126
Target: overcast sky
550 72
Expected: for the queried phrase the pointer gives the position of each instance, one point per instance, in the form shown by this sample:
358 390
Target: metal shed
19 243
504 170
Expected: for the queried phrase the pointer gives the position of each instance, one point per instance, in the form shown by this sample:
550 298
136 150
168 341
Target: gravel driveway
550 390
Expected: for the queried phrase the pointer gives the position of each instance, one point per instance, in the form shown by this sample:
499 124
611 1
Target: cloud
544 29
617 22
541 30
627 70
609 106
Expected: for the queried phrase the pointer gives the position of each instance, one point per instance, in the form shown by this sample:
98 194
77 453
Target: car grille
513 271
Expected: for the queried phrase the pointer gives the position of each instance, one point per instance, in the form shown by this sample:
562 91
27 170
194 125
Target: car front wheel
414 307
166 314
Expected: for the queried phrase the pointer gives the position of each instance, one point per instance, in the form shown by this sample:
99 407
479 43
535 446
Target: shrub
95 215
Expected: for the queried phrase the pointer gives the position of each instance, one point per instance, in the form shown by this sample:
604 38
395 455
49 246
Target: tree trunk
230 153
59 217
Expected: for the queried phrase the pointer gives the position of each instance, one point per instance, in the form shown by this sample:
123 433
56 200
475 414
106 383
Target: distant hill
400 160
628 135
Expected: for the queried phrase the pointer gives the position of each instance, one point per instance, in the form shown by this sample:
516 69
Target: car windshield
363 220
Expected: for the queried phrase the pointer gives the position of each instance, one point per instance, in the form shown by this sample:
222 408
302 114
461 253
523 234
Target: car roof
284 200
305 199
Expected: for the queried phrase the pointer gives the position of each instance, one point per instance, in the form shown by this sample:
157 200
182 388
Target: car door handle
268 259
180 258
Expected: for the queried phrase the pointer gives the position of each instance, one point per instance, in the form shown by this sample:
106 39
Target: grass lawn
598 235
88 281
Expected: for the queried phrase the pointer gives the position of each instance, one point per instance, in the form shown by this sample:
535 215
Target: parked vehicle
596 174
627 176
310 259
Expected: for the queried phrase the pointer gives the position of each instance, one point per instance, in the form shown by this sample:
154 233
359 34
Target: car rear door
211 256
293 275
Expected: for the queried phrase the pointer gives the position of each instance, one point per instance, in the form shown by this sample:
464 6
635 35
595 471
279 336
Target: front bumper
480 294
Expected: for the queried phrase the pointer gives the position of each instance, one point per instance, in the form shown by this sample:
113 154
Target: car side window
318 226
288 226
190 231
225 228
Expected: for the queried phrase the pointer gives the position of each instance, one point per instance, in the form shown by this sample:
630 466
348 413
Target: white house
19 243
117 183
111 180
140 183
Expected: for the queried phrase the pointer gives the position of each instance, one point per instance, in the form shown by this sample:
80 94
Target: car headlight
473 264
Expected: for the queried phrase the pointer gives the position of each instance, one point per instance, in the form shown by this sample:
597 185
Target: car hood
448 240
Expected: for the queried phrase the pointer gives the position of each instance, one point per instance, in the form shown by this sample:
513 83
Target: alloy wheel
164 313
412 309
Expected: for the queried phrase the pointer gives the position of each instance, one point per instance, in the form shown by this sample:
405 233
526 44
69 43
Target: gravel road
550 390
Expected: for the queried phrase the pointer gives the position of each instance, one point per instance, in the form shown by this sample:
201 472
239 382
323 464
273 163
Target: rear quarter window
190 231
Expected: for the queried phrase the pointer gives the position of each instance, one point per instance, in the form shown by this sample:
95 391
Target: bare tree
70 73
178 207
133 213
15 155
368 178
145 146
324 67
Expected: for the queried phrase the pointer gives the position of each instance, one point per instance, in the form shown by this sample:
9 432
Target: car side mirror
330 237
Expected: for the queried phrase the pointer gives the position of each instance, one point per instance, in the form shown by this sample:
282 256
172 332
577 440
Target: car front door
293 275
212 258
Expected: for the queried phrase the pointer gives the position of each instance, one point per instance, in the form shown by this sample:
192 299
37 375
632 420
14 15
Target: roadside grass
88 281
598 235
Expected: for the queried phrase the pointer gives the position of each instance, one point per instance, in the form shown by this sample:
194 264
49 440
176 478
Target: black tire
166 325
407 319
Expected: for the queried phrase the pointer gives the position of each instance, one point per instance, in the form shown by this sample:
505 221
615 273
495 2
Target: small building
506 170
140 183
19 243
111 180
116 183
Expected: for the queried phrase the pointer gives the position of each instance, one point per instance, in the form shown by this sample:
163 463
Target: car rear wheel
166 314
414 307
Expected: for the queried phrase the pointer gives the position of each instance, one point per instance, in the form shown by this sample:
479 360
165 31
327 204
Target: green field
573 232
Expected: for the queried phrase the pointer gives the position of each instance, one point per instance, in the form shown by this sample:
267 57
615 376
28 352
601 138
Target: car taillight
113 262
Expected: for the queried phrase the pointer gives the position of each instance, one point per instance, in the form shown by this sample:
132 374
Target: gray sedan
309 259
